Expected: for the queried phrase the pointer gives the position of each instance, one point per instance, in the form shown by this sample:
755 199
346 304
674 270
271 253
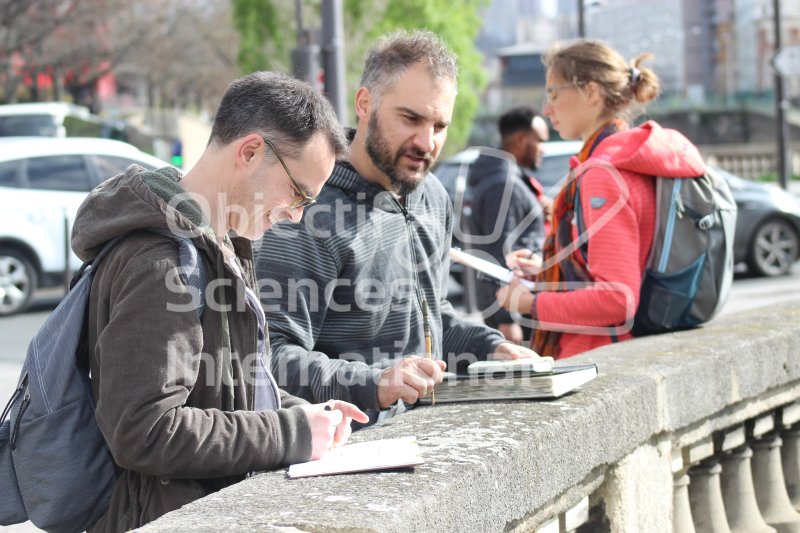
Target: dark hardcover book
520 385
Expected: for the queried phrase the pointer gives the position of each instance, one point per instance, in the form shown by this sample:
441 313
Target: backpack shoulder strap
94 263
192 267
578 210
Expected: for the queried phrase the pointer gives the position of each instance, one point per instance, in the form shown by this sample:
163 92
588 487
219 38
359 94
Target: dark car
767 226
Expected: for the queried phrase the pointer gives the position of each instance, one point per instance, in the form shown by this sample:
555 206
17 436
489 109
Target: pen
426 327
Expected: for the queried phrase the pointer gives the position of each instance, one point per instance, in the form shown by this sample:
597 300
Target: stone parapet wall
606 454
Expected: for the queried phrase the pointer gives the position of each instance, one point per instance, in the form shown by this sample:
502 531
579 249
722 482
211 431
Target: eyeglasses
305 199
552 91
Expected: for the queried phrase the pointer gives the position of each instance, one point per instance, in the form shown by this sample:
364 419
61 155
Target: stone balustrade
750 161
695 431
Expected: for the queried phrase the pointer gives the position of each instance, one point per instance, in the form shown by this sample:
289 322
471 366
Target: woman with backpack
590 271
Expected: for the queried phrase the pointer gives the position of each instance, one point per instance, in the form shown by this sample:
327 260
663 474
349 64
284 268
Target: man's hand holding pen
330 424
410 379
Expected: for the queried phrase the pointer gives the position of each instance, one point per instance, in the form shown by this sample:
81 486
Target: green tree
267 36
457 23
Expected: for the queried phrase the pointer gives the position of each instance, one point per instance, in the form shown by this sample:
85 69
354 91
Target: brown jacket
157 374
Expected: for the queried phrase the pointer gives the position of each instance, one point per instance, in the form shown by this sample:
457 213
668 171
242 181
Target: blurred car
62 119
767 236
767 226
55 119
42 183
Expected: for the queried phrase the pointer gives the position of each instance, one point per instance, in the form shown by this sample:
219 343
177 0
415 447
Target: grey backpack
55 467
690 269
690 266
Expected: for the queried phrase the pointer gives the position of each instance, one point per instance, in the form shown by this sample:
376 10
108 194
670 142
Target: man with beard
507 206
344 290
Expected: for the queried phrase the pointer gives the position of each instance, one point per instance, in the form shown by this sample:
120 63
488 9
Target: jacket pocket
160 495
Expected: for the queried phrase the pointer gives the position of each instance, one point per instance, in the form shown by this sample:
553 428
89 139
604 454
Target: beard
381 155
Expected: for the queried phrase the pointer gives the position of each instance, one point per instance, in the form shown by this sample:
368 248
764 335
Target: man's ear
363 102
518 139
248 149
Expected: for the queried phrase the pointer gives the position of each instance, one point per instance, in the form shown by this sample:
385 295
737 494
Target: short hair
388 59
516 119
287 111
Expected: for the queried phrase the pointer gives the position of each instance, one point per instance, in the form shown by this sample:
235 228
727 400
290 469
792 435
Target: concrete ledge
493 466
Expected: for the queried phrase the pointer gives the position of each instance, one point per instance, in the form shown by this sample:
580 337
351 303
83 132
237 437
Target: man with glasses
346 290
185 400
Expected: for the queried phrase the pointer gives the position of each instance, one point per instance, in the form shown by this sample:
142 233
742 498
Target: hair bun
643 81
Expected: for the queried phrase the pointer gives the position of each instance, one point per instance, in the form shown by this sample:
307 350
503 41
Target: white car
49 119
42 183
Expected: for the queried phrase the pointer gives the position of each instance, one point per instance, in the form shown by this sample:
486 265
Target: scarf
573 267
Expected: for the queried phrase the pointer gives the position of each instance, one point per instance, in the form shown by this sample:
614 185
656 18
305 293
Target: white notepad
362 457
533 364
503 275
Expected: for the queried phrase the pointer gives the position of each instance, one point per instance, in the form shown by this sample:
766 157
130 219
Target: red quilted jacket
619 214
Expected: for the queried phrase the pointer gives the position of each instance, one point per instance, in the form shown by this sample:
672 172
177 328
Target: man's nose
295 215
423 140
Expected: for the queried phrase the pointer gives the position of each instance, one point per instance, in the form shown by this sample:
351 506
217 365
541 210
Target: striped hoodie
343 289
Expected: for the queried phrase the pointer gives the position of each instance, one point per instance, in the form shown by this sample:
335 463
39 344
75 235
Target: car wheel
774 248
17 281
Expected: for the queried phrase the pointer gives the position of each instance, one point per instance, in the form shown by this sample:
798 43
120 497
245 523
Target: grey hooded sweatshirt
343 290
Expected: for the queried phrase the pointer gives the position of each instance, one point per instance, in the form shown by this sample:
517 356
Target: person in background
522 134
346 290
186 403
506 210
590 271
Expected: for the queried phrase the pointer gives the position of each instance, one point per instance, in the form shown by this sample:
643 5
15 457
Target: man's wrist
365 395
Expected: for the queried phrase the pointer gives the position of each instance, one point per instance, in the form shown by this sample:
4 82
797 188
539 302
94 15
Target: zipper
22 384
415 276
675 210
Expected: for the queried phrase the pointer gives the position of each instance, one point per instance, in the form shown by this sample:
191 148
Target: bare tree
190 55
24 26
184 50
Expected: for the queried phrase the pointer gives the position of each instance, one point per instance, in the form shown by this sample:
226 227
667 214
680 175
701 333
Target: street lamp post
333 56
305 58
781 104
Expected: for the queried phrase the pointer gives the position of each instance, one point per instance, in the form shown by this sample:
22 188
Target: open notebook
512 385
362 457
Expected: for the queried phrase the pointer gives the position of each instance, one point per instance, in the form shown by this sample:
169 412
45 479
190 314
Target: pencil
426 326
